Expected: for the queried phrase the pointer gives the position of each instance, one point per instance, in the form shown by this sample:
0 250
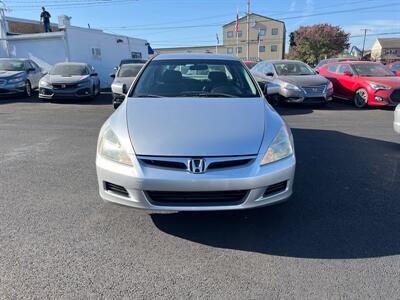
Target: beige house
266 40
386 50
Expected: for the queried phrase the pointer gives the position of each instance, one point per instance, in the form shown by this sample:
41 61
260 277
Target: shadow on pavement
346 205
104 98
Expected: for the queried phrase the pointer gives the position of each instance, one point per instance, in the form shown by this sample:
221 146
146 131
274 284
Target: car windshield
11 65
129 70
396 67
195 78
372 70
69 70
292 68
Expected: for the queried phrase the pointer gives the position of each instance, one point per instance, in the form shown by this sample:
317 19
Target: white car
396 123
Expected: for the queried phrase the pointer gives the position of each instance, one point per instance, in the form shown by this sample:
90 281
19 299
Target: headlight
280 147
330 86
290 86
16 79
110 148
43 83
378 86
84 83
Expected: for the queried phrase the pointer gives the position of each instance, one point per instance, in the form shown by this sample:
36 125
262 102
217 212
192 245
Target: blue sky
198 21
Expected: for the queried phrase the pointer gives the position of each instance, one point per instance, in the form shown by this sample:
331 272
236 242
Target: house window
262 48
96 52
274 48
239 50
229 34
239 33
136 55
274 31
262 32
229 50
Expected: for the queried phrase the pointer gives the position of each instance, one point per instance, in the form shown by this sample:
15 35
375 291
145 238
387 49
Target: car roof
352 62
204 56
72 63
18 59
274 61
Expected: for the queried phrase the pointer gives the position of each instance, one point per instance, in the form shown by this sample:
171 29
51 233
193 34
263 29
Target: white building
76 44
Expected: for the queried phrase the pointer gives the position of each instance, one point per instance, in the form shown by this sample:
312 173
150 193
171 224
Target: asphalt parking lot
338 237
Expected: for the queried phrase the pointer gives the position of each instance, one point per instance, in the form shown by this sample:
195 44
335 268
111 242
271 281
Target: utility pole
3 28
248 30
365 37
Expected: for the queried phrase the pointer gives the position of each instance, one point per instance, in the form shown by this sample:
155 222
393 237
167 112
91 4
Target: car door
346 82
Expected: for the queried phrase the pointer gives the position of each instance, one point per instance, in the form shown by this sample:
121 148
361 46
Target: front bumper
139 179
396 123
382 97
294 96
67 93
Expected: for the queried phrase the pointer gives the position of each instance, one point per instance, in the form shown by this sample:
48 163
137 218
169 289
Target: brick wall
22 27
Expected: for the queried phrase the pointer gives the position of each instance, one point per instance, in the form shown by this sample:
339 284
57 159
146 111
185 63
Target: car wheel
361 98
28 89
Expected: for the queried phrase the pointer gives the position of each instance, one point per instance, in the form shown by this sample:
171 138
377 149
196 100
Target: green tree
313 43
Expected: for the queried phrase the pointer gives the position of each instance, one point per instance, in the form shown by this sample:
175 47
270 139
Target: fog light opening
380 99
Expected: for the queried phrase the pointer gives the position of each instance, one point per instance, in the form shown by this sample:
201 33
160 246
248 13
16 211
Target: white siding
112 47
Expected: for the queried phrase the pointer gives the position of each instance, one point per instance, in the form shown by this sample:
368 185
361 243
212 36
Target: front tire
28 89
361 98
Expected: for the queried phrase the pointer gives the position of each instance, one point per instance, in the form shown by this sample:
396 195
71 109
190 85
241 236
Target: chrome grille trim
176 163
315 90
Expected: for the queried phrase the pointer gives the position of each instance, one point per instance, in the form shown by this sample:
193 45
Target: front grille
117 189
275 188
2 81
314 90
395 96
165 164
228 163
216 198
65 86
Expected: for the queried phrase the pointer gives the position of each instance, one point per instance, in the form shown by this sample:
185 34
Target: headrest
172 76
217 77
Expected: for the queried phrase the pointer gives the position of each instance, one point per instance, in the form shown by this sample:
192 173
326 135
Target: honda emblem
196 165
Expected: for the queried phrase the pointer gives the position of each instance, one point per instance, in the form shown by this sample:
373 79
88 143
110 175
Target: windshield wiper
148 96
204 94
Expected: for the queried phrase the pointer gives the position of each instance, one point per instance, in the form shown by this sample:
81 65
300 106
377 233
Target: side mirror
271 90
31 70
316 71
112 75
269 74
93 74
120 88
347 73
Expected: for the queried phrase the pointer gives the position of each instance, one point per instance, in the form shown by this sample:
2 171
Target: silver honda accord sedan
195 133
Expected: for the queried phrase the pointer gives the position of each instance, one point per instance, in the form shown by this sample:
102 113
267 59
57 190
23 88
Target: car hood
196 127
304 80
54 79
6 74
393 81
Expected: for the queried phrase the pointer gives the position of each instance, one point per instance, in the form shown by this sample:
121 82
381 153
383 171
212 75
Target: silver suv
19 76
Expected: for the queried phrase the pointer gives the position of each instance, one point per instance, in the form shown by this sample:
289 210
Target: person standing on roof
45 18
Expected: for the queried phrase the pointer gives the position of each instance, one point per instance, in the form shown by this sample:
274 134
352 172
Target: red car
249 63
364 83
395 67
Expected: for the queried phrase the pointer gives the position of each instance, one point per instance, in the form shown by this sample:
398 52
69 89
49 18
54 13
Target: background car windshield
396 67
129 70
292 68
195 78
372 70
11 65
69 70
